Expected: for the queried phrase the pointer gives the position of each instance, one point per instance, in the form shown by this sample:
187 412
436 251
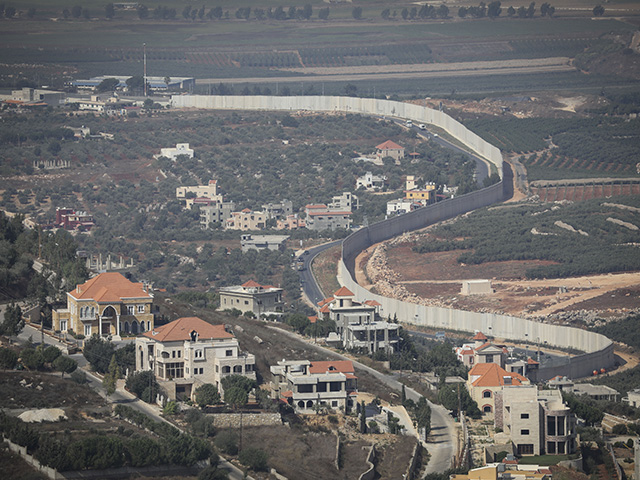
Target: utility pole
144 61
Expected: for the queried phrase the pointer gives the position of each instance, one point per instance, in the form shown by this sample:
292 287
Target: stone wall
232 420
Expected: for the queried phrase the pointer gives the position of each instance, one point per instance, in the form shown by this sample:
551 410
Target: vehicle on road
422 126
409 123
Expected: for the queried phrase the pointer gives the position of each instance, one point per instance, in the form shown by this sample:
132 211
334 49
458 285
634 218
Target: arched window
237 369
226 369
309 404
126 327
486 394
301 404
486 409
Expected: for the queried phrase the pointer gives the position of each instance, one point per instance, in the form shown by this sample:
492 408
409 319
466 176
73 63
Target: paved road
441 443
307 280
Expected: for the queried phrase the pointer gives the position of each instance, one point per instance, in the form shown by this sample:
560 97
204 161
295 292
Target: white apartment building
172 153
252 297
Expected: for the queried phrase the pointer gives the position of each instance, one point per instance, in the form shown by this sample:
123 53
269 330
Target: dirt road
397 72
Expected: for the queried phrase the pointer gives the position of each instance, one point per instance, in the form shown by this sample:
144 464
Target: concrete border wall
367 106
598 348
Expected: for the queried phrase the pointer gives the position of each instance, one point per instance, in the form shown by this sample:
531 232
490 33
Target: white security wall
598 348
367 106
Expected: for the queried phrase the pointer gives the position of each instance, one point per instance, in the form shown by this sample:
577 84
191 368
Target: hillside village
176 304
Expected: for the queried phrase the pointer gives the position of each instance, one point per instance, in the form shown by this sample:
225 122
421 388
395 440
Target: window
489 359
524 415
179 353
486 394
246 302
63 325
130 310
305 388
524 431
334 403
140 308
551 447
173 354
561 448
87 330
174 370
229 353
486 409
199 354
525 449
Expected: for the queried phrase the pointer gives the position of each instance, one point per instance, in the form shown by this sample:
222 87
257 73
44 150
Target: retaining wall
232 420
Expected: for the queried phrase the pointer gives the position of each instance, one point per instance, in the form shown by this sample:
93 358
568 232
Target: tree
186 12
363 418
107 85
323 13
8 358
109 11
135 83
213 473
143 12
32 358
216 12
76 11
207 394
494 10
423 415
143 385
351 90
386 13
531 10
50 353
13 321
511 11
31 12
227 442
64 364
110 378
171 408
442 11
86 14
462 12
98 353
9 12
356 13
254 458
236 397
307 11
598 10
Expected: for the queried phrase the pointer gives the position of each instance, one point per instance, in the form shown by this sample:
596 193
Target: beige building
485 380
190 352
107 304
246 220
308 386
252 297
505 471
209 191
390 149
537 421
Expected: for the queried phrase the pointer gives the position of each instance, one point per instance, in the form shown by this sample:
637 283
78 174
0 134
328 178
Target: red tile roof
479 336
493 375
313 318
373 303
531 361
333 366
343 292
325 309
324 301
180 330
109 287
389 145
316 205
251 283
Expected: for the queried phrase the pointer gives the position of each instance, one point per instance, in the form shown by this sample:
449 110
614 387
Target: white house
174 153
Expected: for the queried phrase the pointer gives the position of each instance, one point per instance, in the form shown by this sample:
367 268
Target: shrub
79 377
254 458
227 442
171 408
8 359
65 364
207 394
620 429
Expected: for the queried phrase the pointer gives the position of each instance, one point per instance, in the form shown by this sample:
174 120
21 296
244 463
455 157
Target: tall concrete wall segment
368 106
598 349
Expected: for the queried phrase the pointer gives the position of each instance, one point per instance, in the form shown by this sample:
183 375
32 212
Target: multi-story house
278 210
190 352
309 386
485 380
347 202
200 191
390 149
291 222
358 324
252 297
213 212
69 219
107 304
537 421
371 182
246 220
